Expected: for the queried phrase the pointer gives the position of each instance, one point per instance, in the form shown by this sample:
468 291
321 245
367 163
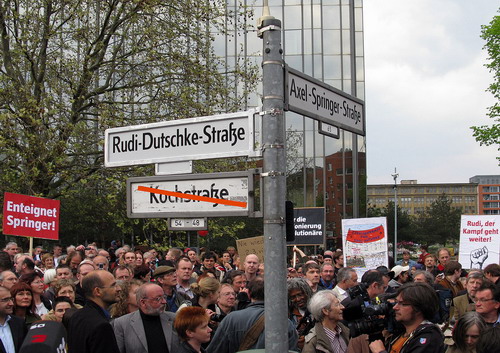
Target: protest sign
365 243
479 241
30 216
249 246
309 226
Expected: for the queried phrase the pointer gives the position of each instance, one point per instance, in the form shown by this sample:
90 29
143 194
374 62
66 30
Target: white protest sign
365 243
479 241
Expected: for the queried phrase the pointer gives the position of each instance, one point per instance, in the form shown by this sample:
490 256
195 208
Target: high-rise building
488 193
323 39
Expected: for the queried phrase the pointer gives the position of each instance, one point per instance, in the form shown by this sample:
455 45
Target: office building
323 39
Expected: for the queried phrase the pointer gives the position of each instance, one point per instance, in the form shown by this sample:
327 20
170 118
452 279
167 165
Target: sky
425 86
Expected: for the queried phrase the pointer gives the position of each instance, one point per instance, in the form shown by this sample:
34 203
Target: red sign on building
30 216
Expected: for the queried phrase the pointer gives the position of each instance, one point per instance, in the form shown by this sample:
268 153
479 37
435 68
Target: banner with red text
479 241
30 216
365 243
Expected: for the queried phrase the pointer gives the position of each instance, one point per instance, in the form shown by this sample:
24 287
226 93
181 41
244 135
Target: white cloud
425 87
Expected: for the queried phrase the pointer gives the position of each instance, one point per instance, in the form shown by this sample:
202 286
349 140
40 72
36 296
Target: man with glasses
149 329
89 330
416 304
12 328
8 279
488 303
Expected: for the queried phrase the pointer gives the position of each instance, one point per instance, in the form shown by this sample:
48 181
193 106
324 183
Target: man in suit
346 278
12 328
89 329
149 329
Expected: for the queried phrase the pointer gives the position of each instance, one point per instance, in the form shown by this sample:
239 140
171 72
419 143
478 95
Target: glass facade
323 39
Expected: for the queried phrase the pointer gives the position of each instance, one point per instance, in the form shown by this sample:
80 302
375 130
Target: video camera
364 318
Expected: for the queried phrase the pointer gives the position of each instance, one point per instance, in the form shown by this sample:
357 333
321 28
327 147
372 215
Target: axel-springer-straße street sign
197 195
217 136
310 97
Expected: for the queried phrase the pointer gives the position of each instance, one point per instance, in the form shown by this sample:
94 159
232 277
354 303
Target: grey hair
141 291
10 243
475 274
465 322
344 274
321 300
301 284
429 277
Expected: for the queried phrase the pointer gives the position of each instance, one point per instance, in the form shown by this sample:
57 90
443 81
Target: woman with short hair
191 324
328 334
23 303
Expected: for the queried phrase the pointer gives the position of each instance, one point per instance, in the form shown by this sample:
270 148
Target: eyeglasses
157 299
481 300
6 300
113 285
402 304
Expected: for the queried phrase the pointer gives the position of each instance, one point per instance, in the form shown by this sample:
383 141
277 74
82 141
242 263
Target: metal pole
273 184
395 176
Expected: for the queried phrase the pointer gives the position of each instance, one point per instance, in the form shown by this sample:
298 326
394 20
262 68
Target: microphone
45 337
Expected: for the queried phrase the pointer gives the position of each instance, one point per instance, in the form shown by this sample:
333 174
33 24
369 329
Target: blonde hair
205 287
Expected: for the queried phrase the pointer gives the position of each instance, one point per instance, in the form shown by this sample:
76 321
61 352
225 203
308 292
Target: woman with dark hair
142 273
35 280
191 324
61 304
23 302
466 333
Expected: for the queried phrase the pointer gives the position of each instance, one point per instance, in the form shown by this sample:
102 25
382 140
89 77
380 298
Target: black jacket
18 330
89 331
427 338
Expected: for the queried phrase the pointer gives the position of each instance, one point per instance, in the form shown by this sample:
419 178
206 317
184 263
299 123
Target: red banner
365 236
30 216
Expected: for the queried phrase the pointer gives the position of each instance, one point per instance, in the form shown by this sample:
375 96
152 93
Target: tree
71 69
406 230
439 223
490 135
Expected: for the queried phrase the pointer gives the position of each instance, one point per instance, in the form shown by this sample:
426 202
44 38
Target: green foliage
490 135
406 229
71 69
439 223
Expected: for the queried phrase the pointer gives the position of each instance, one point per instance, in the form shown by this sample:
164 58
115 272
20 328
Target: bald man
89 329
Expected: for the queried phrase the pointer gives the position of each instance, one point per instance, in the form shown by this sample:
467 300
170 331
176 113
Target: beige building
414 198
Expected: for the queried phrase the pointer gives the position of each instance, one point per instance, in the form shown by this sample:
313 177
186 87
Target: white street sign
217 136
187 224
214 188
310 97
184 167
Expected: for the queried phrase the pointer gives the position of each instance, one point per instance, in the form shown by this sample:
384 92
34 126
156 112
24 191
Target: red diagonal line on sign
193 197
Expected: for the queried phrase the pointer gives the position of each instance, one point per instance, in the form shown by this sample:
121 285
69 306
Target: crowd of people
126 300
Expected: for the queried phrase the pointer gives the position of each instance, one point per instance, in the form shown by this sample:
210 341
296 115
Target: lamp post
273 183
395 176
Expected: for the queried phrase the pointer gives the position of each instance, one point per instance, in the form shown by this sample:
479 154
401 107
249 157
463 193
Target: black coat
89 331
18 330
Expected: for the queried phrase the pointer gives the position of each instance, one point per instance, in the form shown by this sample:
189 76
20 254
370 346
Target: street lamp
395 176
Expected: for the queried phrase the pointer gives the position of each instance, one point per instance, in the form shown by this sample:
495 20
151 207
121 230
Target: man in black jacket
416 304
12 328
89 329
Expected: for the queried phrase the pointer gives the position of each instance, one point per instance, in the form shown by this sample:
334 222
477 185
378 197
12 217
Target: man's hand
377 346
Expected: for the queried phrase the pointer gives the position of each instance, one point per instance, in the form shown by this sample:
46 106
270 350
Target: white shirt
6 336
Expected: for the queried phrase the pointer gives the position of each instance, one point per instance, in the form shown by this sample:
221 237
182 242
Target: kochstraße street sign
217 136
234 186
310 97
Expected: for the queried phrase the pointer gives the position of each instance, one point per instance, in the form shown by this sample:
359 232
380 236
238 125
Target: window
329 166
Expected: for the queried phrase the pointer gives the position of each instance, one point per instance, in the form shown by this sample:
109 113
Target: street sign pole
274 184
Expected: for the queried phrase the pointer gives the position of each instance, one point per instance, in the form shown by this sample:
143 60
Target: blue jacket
233 327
